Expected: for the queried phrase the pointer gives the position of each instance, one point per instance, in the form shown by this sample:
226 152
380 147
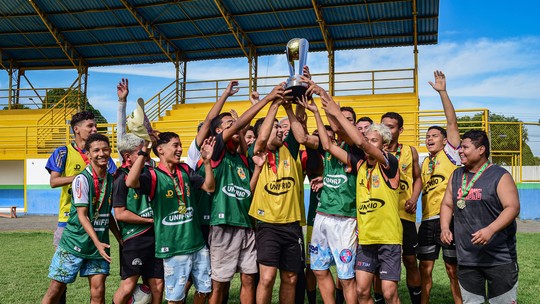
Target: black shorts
281 246
430 244
205 229
138 257
501 283
382 260
410 238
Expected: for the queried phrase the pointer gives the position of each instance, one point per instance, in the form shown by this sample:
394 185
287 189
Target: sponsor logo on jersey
403 185
241 173
236 191
260 212
364 264
77 248
164 249
77 167
313 249
148 212
370 205
433 183
102 220
334 180
176 218
475 194
346 255
78 190
280 186
169 194
136 262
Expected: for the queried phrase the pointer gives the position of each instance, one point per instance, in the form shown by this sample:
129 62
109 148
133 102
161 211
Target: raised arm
122 90
357 138
132 179
266 127
259 160
207 149
452 129
327 145
247 116
299 131
215 110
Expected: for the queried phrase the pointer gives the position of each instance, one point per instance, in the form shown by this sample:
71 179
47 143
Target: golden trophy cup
297 50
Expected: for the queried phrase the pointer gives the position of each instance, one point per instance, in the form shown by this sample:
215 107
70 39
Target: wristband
142 153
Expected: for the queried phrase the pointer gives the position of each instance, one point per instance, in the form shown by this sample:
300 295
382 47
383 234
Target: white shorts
334 241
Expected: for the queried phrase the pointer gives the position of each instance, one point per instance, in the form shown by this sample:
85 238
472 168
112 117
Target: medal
182 209
99 192
461 204
96 215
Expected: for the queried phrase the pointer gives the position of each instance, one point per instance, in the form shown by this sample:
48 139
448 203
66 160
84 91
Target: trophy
297 50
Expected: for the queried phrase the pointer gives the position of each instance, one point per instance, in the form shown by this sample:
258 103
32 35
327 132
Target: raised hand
278 92
259 158
122 89
312 106
305 72
329 105
232 88
254 97
440 81
234 114
207 148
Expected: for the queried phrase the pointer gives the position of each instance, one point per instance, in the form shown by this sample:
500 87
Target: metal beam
166 46
253 70
70 52
243 40
322 25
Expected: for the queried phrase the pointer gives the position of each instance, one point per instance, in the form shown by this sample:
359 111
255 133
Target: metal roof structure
57 34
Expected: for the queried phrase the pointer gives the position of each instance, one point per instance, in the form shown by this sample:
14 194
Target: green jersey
95 194
132 201
232 198
176 221
204 201
338 195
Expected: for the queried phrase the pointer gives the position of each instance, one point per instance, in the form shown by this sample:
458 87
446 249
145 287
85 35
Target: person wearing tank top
436 169
484 201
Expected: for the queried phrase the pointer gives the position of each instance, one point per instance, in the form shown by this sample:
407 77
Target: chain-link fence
515 145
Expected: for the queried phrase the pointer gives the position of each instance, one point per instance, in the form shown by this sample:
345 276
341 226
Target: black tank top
482 208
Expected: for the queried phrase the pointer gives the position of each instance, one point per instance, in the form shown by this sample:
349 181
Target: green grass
25 258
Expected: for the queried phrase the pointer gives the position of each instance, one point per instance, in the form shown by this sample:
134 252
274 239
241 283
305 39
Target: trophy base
298 89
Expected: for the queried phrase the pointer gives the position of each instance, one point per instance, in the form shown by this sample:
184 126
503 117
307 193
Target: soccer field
26 256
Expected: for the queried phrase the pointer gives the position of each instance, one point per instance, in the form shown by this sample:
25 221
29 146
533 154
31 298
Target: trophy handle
303 53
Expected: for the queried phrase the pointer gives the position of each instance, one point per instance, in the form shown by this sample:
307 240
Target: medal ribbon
432 163
398 151
177 188
99 191
83 155
368 176
466 187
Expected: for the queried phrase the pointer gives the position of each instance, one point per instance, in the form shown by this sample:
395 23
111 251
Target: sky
489 51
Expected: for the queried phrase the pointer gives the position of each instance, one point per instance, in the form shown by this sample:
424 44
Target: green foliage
504 137
72 99
16 106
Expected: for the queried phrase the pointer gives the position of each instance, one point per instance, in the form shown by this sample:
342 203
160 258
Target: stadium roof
54 34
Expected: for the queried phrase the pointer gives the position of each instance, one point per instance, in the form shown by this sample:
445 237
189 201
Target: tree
71 101
505 138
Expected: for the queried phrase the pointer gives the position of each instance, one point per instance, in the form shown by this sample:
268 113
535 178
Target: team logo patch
241 173
345 255
135 196
404 168
313 249
286 164
136 262
376 181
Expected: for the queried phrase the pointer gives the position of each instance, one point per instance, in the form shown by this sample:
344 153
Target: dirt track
48 223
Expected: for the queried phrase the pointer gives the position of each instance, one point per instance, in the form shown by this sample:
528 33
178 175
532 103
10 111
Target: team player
363 124
334 238
68 161
179 240
410 187
484 201
232 238
377 197
276 206
443 159
135 220
84 246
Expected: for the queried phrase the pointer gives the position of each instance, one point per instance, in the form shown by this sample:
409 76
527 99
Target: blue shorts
65 266
178 268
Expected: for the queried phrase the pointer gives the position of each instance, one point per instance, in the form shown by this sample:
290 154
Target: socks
378 298
340 299
415 293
